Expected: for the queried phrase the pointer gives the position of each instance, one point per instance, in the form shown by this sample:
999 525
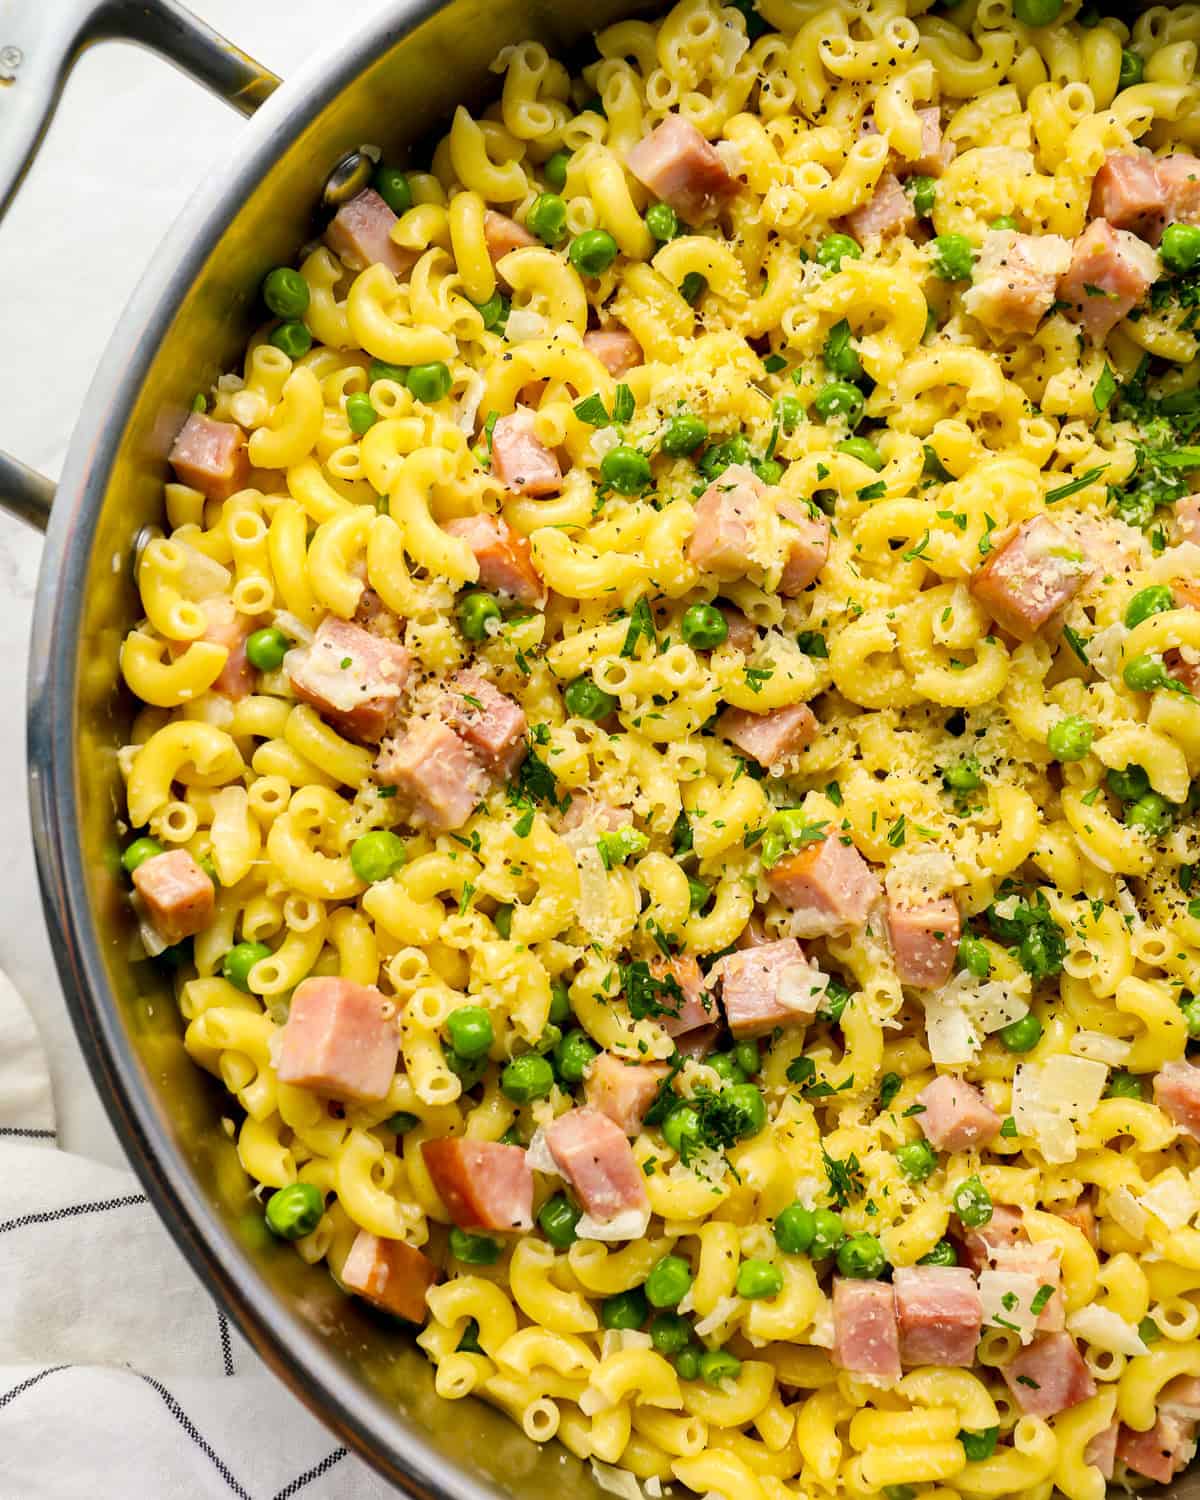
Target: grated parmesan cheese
1100 1047
1171 1199
1125 1211
1051 1099
1008 1298
1105 1329
629 1225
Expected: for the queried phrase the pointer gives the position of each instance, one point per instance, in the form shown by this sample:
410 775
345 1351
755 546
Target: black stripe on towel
194 1433
19 1390
314 1473
72 1211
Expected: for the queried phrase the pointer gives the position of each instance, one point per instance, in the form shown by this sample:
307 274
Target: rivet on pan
11 59
143 539
349 177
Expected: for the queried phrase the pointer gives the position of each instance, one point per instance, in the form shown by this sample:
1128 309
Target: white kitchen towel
119 1377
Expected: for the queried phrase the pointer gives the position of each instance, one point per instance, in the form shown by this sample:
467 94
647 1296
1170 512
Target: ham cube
505 561
1028 579
623 1091
806 547
1101 1451
773 984
490 722
351 677
360 234
1161 1453
211 457
503 235
940 1313
1111 271
177 895
1016 279
1128 192
435 774
1177 1092
616 349
728 515
520 461
866 1335
594 1156
374 616
226 627
936 151
699 1043
484 1184
681 168
389 1273
1082 1214
828 886
1181 1397
743 633
957 1117
772 739
1184 666
697 1008
983 1247
888 211
1187 519
924 941
340 1040
1048 1376
1179 177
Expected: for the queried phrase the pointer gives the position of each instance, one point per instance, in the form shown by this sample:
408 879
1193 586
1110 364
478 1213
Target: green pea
1133 69
475 1249
592 252
840 356
585 700
734 450
1191 1014
795 1227
704 626
1123 1085
1022 1035
292 337
835 248
681 1128
394 188
973 956
828 1233
375 855
745 1054
725 1065
687 1363
965 776
360 413
788 411
240 959
470 1030
972 1203
669 1333
560 1003
295 1210
864 450
917 1159
668 1282
557 1219
402 1122
1144 673
769 470
430 383
379 370
923 191
469 1343
1158 597
717 1366
138 853
1037 12
840 399
555 170
547 218
693 287
574 1055
625 469
1128 783
862 1257
1151 813
625 1309
953 257
494 311
476 611
527 1078
683 435
285 292
757 1279
698 894
469 1070
1071 738
266 648
942 1254
548 1040
1005 221
1180 251
662 222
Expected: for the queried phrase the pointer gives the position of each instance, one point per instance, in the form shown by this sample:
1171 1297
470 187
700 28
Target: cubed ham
1111 270
866 1335
936 151
484 1184
828 886
681 168
594 1155
727 519
1048 1376
957 1117
806 547
504 558
491 723
1184 666
1016 279
226 627
352 677
616 349
435 773
1179 176
1101 1451
503 235
1128 192
175 893
1187 519
743 633
888 211
940 1313
340 1040
1181 1397
623 1091
697 1008
983 1247
1082 1215
521 462
1177 1091
1030 577
360 234
389 1273
211 457
590 813
924 941
374 616
772 739
771 985
1161 1453
699 1043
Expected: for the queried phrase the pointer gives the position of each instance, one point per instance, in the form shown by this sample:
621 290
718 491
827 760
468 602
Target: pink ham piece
1187 519
940 1313
924 941
1101 1451
352 677
1128 192
594 1155
957 1117
936 151
505 561
1181 1397
1183 668
771 985
390 1274
888 211
1016 279
1082 1215
503 235
585 811
1111 271
698 1043
520 461
866 1336
806 541
339 1040
1161 1453
697 1008
743 633
616 349
726 519
828 886
982 1248
177 895
1048 1376
360 234
1180 179
484 1184
211 457
772 739
623 1091
681 168
1177 1092
435 774
1030 577
226 627
490 722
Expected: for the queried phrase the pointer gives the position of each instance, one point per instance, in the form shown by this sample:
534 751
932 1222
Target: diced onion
293 628
469 403
720 1315
629 1225
1106 1330
524 324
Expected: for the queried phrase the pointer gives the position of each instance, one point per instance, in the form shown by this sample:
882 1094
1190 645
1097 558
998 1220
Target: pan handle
40 41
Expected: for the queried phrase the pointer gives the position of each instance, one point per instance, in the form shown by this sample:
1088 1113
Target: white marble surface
131 142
